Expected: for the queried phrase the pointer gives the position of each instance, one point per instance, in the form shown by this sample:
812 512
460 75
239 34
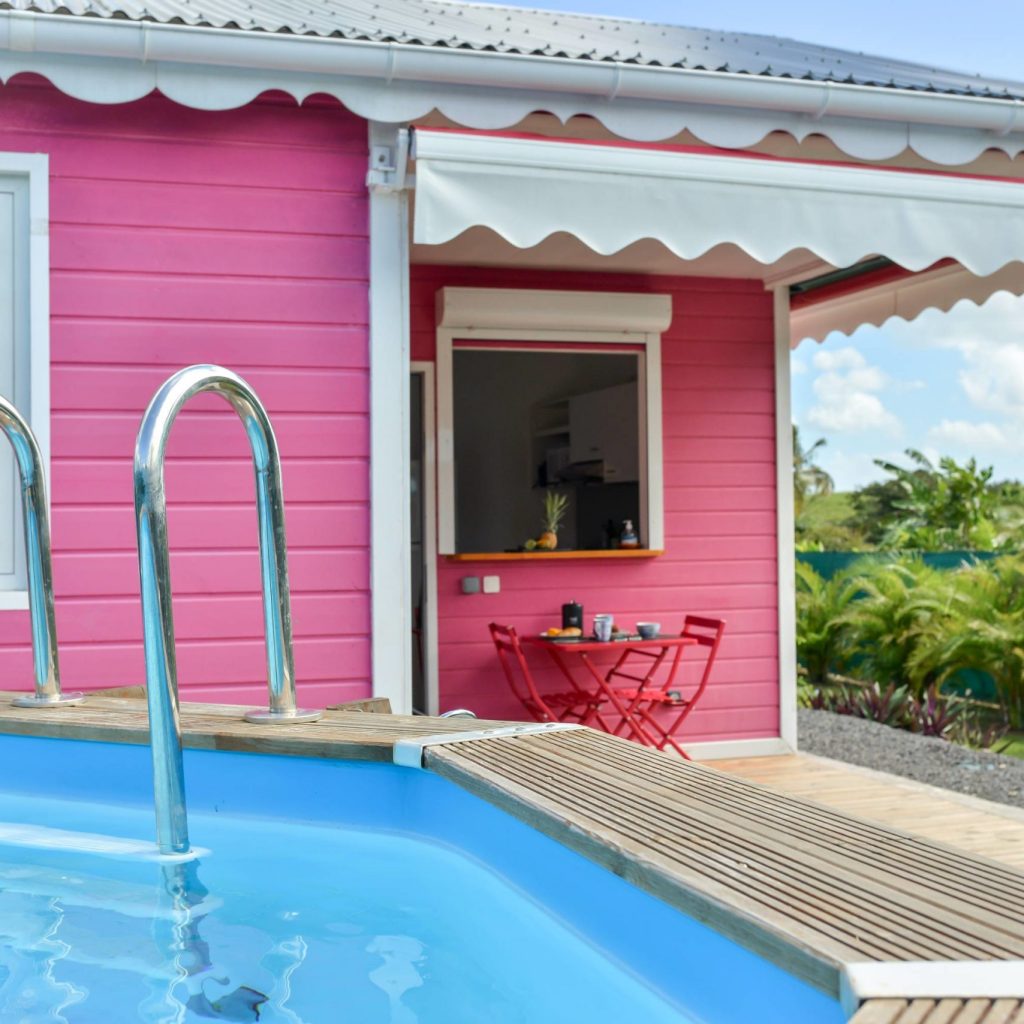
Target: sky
948 383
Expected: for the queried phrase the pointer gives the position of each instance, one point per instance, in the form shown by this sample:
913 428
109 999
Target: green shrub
900 623
821 608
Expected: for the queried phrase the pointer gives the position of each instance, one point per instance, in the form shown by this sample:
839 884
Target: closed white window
24 343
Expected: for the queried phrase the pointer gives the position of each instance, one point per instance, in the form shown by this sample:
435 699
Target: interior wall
181 236
720 510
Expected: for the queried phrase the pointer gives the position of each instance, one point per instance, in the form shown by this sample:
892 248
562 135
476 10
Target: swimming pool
334 891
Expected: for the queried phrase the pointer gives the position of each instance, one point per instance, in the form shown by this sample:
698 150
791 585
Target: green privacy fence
829 563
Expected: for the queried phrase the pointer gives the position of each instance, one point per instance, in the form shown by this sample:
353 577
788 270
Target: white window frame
34 291
584 319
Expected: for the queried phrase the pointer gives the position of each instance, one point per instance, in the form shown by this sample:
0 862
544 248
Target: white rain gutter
390 63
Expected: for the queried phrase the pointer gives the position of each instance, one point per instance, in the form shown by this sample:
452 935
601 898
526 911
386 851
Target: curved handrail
37 559
155 579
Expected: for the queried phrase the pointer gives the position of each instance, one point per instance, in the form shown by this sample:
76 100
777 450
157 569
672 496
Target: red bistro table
565 651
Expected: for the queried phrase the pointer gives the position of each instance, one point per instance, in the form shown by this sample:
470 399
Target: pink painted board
182 236
720 513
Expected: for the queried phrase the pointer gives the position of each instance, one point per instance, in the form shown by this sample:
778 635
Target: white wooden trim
108 60
491 315
429 625
784 523
445 444
35 168
930 979
719 750
555 337
528 309
652 430
390 543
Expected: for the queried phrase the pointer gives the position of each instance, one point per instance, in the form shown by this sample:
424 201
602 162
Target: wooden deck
976 826
339 734
940 1011
805 885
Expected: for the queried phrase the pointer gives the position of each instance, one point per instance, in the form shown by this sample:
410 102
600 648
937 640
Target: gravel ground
923 758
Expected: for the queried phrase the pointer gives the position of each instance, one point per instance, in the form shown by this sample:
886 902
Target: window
24 343
545 394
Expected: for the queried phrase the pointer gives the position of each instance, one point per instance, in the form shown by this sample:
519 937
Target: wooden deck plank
802 869
941 1011
728 850
339 734
995 831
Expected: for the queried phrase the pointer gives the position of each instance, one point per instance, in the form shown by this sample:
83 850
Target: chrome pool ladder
155 579
38 564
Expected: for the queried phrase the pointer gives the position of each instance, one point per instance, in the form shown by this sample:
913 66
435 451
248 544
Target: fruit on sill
555 506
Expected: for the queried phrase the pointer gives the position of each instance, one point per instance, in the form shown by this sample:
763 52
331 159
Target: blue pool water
333 892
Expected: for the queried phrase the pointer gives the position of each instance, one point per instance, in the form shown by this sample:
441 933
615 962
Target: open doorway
423 561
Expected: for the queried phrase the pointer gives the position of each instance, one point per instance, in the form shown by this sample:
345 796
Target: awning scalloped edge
110 61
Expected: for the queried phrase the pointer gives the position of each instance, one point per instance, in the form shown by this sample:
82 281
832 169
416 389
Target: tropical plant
821 624
935 714
897 601
947 507
809 479
555 507
891 706
982 630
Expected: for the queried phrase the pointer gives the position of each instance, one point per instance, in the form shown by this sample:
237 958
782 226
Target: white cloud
838 359
846 393
968 437
797 365
850 470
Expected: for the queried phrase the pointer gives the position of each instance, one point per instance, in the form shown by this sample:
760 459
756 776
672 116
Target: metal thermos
572 615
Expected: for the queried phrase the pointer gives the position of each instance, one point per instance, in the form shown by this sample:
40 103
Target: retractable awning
610 195
905 298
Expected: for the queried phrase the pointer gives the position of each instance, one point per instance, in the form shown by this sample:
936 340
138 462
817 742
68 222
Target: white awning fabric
941 289
610 195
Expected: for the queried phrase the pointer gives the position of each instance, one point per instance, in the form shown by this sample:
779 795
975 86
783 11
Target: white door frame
429 623
390 543
784 524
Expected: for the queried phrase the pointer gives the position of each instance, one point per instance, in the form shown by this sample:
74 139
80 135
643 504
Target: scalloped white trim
904 299
108 61
609 196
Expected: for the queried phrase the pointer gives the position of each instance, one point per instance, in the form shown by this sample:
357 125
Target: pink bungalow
468 256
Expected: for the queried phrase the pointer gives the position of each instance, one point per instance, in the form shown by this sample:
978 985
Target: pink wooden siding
182 236
719 426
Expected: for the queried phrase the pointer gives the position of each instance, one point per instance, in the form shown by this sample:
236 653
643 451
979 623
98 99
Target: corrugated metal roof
544 33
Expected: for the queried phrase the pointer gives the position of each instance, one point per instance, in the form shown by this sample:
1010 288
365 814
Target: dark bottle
572 615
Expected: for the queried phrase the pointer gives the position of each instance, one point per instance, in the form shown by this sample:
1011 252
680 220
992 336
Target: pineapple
555 507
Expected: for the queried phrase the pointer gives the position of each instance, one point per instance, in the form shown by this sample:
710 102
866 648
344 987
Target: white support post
785 523
390 533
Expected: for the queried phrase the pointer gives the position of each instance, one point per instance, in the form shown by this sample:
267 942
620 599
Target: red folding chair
644 700
577 704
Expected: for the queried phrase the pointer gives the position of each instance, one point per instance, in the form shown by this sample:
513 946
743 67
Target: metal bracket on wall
409 752
388 165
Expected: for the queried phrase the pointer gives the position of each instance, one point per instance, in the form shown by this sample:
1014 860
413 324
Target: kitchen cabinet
604 427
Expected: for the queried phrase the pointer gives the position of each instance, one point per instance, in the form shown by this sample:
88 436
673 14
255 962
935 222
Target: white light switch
492 584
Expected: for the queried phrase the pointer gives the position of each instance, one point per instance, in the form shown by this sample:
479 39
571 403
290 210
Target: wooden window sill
551 556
